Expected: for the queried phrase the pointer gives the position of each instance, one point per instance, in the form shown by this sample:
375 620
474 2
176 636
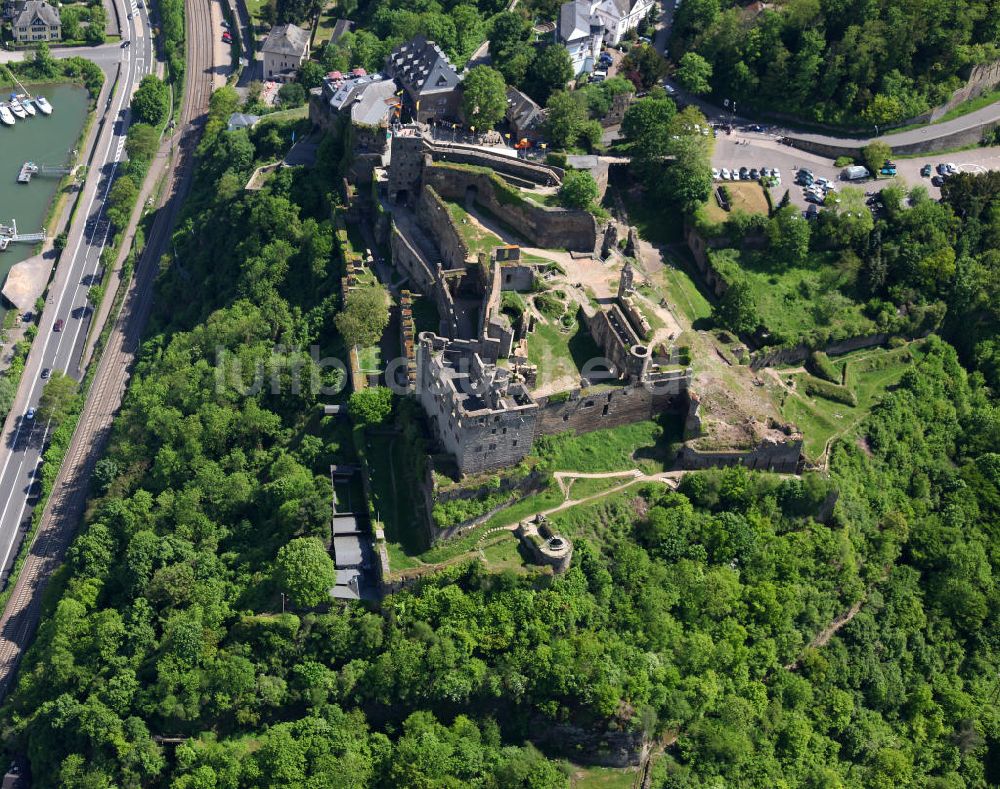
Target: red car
227 38
58 325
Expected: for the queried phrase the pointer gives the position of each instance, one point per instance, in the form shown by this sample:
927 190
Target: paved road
895 140
65 507
23 439
104 55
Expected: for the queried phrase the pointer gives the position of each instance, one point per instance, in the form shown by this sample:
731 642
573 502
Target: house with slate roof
581 31
284 51
618 17
429 81
36 20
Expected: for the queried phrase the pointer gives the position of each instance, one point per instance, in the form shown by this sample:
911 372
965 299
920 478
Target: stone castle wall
434 218
781 457
552 228
587 410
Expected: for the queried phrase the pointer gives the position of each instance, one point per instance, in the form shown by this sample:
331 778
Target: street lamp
876 130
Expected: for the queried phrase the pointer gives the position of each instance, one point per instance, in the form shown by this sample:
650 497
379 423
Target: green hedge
835 392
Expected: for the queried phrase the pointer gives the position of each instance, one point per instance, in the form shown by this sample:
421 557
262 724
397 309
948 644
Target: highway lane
23 439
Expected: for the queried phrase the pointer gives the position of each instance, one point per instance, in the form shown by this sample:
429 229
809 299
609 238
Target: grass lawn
585 487
550 199
655 223
324 27
870 373
604 521
476 238
370 358
647 445
557 352
504 553
602 777
254 7
795 301
745 196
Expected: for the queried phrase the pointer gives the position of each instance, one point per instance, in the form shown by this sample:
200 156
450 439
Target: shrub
370 406
556 159
820 365
843 161
828 391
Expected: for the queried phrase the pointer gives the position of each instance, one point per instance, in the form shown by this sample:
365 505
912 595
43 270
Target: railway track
66 503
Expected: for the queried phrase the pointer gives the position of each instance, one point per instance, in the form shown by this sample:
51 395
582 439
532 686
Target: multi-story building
618 17
581 31
284 51
36 20
429 81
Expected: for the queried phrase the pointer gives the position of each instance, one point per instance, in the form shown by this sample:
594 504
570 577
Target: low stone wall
552 228
434 218
800 353
532 172
518 488
605 748
781 457
699 250
519 277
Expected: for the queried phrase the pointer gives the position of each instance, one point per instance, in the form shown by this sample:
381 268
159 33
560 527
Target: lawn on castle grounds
745 196
475 236
870 373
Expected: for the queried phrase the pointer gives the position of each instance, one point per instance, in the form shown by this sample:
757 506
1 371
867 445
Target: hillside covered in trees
702 619
837 62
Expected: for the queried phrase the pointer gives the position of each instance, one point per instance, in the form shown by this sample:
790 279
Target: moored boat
6 116
25 102
17 109
43 104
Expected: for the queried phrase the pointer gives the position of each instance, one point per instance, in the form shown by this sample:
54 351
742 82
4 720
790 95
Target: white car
952 168
776 173
822 182
734 175
723 174
715 174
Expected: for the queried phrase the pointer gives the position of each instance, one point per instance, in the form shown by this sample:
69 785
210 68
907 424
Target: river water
43 140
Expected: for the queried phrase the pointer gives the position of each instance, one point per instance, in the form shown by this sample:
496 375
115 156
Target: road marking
66 288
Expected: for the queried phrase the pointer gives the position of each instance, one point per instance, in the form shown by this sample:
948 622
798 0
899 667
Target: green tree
151 101
311 74
874 155
292 94
370 406
737 309
647 121
687 180
142 141
644 66
578 190
121 201
305 571
564 120
365 315
551 69
694 73
58 398
788 235
484 98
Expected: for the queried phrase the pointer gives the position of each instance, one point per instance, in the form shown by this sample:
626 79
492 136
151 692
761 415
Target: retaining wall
433 216
800 353
585 410
552 228
767 456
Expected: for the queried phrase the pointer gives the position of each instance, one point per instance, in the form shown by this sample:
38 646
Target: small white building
618 17
284 51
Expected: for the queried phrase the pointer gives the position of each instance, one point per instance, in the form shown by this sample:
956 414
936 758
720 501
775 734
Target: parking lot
752 149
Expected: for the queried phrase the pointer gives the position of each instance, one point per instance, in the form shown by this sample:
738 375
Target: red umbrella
335 75
359 72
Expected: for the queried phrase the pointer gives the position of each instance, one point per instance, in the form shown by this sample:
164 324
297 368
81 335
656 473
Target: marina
40 142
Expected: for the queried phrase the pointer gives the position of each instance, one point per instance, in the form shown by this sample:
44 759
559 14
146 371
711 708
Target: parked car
937 180
724 174
715 174
925 171
226 38
952 169
824 182
58 326
812 211
755 174
942 169
744 174
812 197
46 373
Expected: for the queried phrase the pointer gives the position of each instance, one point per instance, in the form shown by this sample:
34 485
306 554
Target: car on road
755 127
29 414
126 44
130 16
46 373
58 326
670 89
925 171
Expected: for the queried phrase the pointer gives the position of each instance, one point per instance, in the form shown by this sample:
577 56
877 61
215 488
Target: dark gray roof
347 551
240 120
39 9
368 97
287 40
522 111
421 67
574 20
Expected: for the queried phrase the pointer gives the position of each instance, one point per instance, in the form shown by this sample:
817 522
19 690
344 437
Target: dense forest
838 62
698 618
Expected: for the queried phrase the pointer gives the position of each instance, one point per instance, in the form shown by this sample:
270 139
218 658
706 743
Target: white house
285 50
581 31
620 16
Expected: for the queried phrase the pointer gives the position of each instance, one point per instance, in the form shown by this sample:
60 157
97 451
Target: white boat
6 116
17 109
43 105
27 105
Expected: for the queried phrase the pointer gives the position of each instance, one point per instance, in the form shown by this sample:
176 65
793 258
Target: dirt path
822 638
